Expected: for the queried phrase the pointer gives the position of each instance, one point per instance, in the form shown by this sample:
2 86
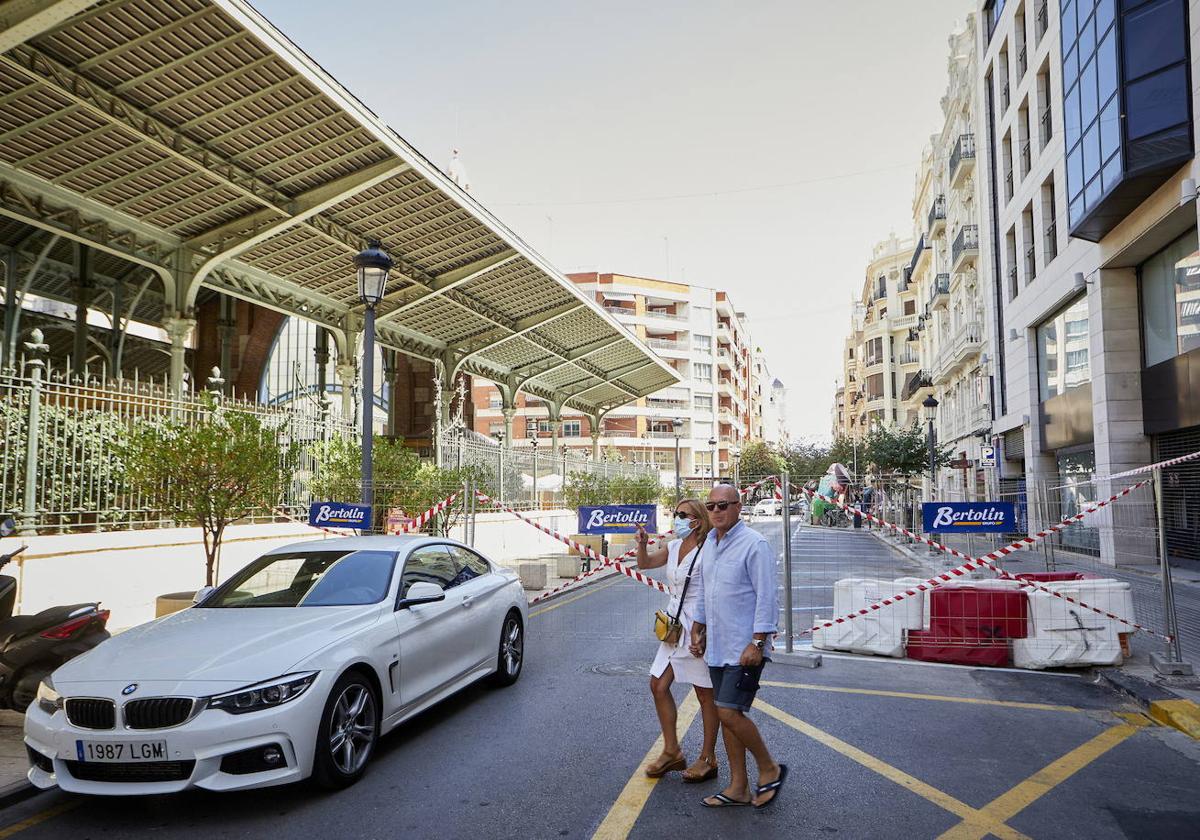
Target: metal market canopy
192 138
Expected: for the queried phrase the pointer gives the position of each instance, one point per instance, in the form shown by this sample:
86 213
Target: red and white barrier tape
587 551
751 487
424 518
976 562
1170 462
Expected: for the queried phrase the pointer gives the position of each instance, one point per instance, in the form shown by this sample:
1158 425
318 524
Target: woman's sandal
723 801
661 768
701 771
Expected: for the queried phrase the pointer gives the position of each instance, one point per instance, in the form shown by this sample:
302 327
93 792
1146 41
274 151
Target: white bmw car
292 668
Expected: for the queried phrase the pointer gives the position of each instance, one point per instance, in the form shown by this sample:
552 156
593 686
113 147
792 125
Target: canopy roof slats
190 138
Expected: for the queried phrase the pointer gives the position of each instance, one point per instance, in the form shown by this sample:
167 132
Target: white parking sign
987 456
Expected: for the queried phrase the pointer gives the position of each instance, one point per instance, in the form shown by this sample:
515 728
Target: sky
758 147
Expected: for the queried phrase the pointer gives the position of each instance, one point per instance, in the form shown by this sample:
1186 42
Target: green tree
585 489
901 451
213 469
338 475
759 460
806 460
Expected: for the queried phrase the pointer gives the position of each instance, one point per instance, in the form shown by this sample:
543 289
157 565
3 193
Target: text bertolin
341 515
601 518
947 515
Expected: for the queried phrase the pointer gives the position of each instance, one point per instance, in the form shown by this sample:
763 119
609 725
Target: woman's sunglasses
685 514
718 505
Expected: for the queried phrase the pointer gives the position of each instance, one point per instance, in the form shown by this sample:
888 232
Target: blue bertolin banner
618 519
965 517
339 515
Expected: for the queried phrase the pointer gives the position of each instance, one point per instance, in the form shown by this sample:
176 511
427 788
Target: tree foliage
213 469
339 467
759 460
900 451
585 489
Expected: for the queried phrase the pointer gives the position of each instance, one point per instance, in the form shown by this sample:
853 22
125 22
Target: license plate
114 751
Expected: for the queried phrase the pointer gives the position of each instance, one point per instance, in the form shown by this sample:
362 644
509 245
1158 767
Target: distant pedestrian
733 627
674 661
868 503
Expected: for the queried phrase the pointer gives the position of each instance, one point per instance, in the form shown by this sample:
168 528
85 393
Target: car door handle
467 600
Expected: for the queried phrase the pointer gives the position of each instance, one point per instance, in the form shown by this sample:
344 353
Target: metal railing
964 150
667 316
63 435
666 344
1043 20
967 240
1047 124
1030 263
940 286
1051 241
1026 157
937 212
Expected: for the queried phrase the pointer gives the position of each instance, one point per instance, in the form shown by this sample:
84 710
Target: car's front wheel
511 655
348 733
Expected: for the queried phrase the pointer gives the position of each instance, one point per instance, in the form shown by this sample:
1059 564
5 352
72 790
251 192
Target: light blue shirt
739 597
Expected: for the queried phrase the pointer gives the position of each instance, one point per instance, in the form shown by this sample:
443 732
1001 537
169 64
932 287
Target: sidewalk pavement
13 763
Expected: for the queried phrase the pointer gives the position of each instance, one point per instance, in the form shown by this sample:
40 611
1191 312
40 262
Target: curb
16 792
1165 707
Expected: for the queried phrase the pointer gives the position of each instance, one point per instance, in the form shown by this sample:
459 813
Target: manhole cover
619 669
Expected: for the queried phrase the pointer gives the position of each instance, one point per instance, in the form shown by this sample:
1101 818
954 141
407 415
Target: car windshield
308 579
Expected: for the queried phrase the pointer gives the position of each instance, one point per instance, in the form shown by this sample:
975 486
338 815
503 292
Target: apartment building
1087 164
768 403
881 352
696 330
951 286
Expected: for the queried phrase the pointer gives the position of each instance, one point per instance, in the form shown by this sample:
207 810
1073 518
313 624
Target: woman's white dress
687 668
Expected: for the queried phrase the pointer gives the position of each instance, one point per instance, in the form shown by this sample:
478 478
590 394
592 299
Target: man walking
734 622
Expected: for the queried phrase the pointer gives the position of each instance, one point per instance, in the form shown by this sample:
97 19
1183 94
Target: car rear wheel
511 656
348 733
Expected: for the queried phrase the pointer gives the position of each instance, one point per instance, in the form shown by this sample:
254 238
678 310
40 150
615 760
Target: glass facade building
1127 105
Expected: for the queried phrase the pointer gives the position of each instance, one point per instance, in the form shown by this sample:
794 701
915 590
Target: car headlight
263 695
48 700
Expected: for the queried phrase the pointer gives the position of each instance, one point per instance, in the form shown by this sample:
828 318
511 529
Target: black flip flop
726 802
776 786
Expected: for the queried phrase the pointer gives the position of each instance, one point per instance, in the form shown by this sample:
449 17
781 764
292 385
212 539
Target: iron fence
70 473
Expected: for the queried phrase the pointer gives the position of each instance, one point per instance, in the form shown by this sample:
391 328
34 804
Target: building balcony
724 360
725 307
620 312
965 248
725 388
724 334
961 347
908 356
936 223
664 315
663 404
939 291
903 322
962 159
668 345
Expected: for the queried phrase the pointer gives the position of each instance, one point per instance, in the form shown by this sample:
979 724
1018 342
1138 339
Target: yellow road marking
592 590
986 822
1008 805
38 818
1012 704
1184 715
624 812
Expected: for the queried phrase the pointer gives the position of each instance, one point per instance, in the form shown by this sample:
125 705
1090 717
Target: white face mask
683 527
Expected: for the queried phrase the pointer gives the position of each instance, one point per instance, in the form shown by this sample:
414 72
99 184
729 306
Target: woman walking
674 661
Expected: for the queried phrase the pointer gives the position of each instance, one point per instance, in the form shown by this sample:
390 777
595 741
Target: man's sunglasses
711 506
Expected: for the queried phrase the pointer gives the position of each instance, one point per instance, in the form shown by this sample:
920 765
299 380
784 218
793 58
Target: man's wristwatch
760 643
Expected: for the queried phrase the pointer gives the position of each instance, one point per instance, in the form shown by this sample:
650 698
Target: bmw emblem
129 689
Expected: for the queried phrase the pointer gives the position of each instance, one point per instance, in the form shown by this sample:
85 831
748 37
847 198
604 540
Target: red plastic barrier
970 626
1049 577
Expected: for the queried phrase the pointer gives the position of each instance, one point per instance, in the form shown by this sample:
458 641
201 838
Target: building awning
190 142
621 296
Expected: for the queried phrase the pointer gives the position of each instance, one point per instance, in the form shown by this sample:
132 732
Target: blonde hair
697 509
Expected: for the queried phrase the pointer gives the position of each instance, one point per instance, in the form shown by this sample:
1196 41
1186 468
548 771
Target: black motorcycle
32 646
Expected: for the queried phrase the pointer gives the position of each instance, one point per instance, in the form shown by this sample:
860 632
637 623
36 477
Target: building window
1046 112
572 428
701 342
1010 241
702 402
1170 287
875 351
1063 351
494 401
910 307
702 370
1050 218
875 386
1030 247
1127 104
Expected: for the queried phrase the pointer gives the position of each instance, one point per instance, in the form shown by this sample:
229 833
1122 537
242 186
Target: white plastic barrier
1063 634
880 631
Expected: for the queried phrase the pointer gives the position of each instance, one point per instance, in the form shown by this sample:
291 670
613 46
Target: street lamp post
737 471
500 467
712 468
535 496
677 427
373 266
931 405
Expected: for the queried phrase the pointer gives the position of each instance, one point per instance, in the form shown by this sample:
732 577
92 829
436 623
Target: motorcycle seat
21 625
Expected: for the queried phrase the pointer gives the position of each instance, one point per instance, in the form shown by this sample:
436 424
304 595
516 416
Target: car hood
237 645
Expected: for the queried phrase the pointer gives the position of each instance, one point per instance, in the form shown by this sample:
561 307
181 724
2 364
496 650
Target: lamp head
373 266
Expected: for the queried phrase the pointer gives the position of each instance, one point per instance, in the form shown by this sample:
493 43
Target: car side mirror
422 592
202 594
7 526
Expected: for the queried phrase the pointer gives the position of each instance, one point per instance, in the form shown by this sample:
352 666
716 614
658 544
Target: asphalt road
877 749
